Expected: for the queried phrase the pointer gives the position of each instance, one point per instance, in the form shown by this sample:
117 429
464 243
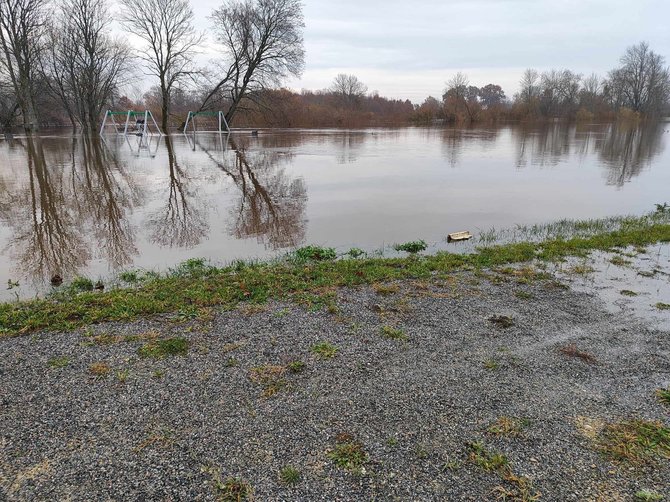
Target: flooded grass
197 285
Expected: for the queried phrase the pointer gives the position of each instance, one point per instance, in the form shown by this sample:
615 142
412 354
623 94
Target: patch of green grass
627 292
296 366
231 362
487 460
664 396
289 475
348 453
635 441
412 247
58 362
662 306
393 333
523 295
82 284
198 284
356 253
122 375
392 442
129 276
315 253
324 350
159 349
648 496
386 289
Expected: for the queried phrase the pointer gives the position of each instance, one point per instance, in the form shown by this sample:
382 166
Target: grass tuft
508 426
487 460
628 292
289 475
270 377
412 247
635 441
348 453
160 349
99 369
664 396
648 496
58 362
233 490
502 321
393 333
662 306
324 350
315 253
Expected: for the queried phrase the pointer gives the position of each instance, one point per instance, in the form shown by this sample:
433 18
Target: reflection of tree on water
627 149
543 145
58 216
182 220
271 205
105 192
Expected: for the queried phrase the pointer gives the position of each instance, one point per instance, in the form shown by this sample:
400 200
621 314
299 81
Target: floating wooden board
459 236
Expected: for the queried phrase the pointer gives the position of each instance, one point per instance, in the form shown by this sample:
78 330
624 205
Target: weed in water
355 253
502 321
296 366
487 460
348 453
289 475
507 426
572 351
324 350
159 349
662 306
82 284
664 396
412 247
627 292
315 253
393 333
270 377
648 496
59 362
99 369
635 441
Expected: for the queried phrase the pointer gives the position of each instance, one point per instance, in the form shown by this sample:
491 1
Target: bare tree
166 27
643 80
22 24
84 64
529 85
262 44
348 88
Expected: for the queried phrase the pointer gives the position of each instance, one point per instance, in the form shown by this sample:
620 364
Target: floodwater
84 206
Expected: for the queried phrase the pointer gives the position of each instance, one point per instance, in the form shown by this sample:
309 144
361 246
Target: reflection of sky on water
75 206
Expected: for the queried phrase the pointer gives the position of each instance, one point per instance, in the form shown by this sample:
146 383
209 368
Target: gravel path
177 428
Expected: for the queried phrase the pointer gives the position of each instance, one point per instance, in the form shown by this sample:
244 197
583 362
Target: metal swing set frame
130 114
220 116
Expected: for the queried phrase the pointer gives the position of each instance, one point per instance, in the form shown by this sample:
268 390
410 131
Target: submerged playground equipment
219 116
137 123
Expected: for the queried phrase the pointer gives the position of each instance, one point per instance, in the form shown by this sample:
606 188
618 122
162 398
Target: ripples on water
82 206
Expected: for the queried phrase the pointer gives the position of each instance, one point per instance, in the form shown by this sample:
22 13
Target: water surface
82 206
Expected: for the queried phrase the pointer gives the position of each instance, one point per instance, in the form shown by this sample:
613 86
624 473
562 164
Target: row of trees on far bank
639 86
59 57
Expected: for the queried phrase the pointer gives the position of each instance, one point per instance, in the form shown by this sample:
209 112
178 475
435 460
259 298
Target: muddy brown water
82 206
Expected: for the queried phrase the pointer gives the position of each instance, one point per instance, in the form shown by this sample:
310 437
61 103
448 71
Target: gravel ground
177 428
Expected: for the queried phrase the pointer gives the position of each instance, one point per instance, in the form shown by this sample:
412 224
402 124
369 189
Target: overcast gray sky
409 49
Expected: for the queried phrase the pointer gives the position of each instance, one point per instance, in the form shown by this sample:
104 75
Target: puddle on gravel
629 282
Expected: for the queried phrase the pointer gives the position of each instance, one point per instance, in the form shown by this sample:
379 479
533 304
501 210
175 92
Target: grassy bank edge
195 286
